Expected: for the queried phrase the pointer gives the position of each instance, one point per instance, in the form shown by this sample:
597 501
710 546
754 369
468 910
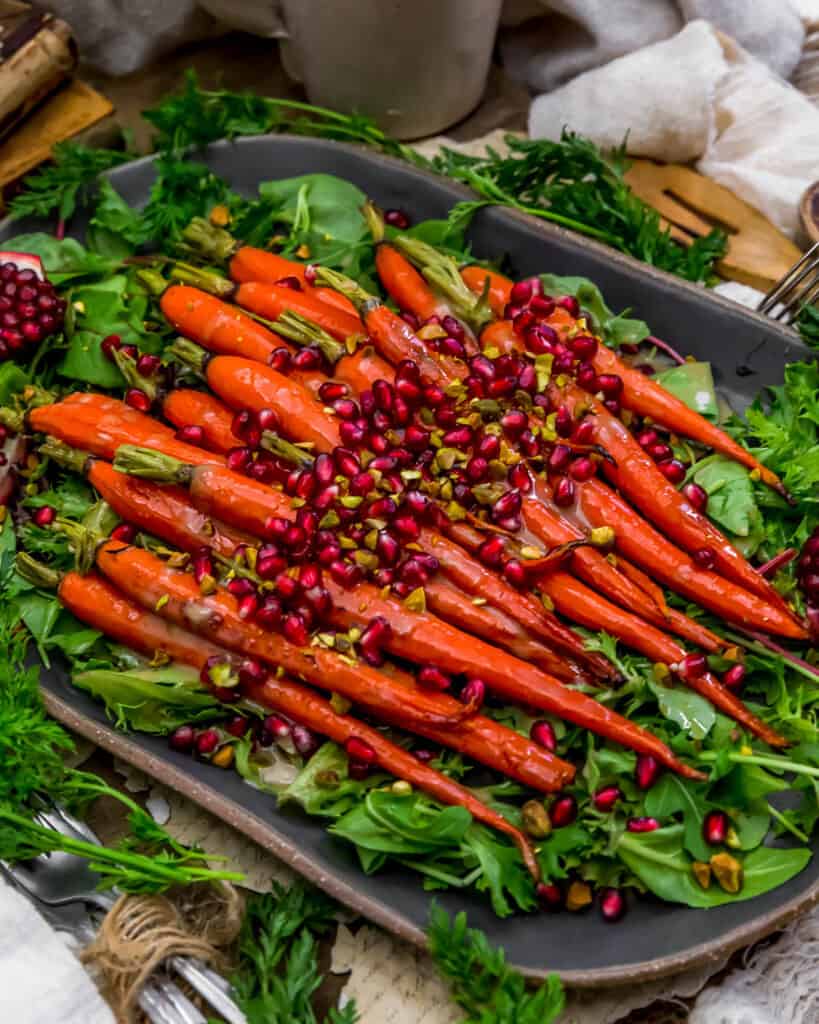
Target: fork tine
209 985
800 298
794 277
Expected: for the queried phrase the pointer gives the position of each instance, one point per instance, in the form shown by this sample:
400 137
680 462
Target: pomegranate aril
251 671
715 827
647 439
276 727
646 771
514 573
549 895
291 282
415 437
281 360
610 384
346 574
563 492
491 551
433 678
527 379
582 469
696 496
693 666
206 742
44 515
523 321
347 462
474 693
138 400
124 532
148 364
521 292
191 434
31 331
542 306
383 395
488 447
239 459
514 422
460 437
605 799
295 630
563 811
397 219
543 734
387 547
307 359
734 677
612 904
407 527
182 739
642 824
673 470
569 303
541 339
564 423
704 558
584 347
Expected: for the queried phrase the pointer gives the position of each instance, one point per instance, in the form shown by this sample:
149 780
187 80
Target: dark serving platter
747 352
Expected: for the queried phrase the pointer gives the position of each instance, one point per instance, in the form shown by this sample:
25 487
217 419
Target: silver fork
59 879
796 290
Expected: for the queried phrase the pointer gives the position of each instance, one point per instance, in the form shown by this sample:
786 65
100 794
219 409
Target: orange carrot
185 407
271 300
500 287
405 285
250 264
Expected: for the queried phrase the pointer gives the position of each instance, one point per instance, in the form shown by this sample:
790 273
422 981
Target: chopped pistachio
547 602
347 543
207 585
660 671
351 500
479 601
401 787
416 600
602 536
303 251
297 502
160 604
579 896
329 520
371 539
491 352
732 840
527 551
340 704
702 872
535 819
487 408
727 871
223 758
366 559
327 779
429 332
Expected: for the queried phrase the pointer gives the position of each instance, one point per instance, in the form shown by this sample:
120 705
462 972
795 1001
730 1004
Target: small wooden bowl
809 215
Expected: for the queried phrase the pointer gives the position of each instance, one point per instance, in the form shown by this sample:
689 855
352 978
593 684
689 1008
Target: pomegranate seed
508 504
182 739
397 219
387 547
381 508
460 437
417 502
514 573
109 344
563 363
346 574
262 471
307 359
274 728
248 606
488 447
564 492
202 567
693 666
521 292
673 470
559 457
610 384
550 896
148 364
543 734
31 331
378 443
648 438
704 558
646 771
124 532
477 469
715 827
523 321
409 392
569 303
45 515
281 360
207 741
696 496
452 347
474 693
329 553
251 671
564 423
642 825
407 527
384 464
383 395
191 434
527 379
346 461
373 639
541 339
491 551
542 306
269 613
734 677
607 797
659 451
612 904
520 479
138 400
304 740
239 459
433 396
483 367
563 811
433 678
584 347
582 469
514 422
295 630
309 576
237 726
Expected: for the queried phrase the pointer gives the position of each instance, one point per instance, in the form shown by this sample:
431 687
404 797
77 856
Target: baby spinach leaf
692 383
402 825
692 713
323 787
64 259
615 330
672 795
659 860
731 501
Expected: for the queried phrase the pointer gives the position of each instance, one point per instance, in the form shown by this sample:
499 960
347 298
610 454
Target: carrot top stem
374 220
82 540
442 273
190 355
200 277
304 332
151 465
64 455
277 445
35 573
153 280
127 366
359 296
210 241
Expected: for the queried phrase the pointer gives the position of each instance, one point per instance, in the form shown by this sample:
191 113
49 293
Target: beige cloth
698 96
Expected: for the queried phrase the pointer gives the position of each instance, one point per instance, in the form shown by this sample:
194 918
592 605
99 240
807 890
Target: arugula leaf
615 330
659 860
323 787
671 796
70 496
808 326
480 980
151 700
115 229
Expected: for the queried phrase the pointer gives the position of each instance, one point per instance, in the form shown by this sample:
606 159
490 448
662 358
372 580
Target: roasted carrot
600 505
500 287
98 604
149 581
185 407
99 425
304 706
588 608
251 264
500 335
405 285
419 636
636 477
645 396
271 300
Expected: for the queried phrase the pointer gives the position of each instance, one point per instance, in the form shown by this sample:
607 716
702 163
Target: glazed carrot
638 541
146 579
95 602
216 325
500 287
405 285
244 384
419 636
588 608
99 425
500 335
304 706
271 300
645 396
553 528
636 477
185 407
393 337
251 264
246 505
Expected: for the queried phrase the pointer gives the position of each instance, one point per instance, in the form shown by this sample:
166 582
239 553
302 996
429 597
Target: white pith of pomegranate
12 453
24 261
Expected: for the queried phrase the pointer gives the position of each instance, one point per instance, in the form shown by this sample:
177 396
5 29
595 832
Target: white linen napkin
41 981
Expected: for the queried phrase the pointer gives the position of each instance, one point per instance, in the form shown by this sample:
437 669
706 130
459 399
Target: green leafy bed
320 215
